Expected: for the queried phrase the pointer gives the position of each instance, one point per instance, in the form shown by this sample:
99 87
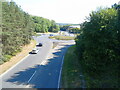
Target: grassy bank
62 37
19 56
71 70
71 74
108 79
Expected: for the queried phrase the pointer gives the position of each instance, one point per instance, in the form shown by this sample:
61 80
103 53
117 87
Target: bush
1 61
98 46
6 58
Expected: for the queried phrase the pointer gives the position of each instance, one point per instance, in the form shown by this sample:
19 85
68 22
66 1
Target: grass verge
71 70
19 56
62 37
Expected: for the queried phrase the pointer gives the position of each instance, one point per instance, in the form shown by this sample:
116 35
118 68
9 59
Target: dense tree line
64 27
74 30
18 27
70 30
45 25
98 45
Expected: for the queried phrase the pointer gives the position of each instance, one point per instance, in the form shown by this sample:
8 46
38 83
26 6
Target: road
41 70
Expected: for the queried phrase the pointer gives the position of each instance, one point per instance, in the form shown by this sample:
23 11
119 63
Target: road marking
13 66
28 86
31 77
60 73
43 63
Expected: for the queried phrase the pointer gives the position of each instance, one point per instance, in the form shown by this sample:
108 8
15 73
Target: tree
44 25
97 44
64 27
17 29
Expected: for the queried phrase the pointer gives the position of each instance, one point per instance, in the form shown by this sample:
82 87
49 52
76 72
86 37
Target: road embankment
71 74
19 56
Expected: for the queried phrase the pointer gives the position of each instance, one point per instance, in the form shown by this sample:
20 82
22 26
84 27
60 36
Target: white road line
60 73
42 63
31 77
28 86
13 66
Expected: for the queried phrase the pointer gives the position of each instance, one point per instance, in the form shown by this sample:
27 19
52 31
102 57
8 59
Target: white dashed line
13 66
31 77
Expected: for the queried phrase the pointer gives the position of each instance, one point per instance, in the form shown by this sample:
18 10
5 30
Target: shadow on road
46 76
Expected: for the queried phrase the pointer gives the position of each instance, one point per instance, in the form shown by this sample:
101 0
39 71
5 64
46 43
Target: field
62 37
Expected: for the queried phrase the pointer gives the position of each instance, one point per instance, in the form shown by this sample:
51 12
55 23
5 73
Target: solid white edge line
60 73
31 77
13 66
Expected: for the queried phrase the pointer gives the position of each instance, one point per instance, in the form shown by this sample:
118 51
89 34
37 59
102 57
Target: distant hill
66 24
63 23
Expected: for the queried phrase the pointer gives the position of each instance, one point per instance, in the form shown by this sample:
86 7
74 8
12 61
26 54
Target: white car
35 51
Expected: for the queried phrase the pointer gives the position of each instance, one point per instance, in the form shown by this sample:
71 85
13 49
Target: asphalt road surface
41 70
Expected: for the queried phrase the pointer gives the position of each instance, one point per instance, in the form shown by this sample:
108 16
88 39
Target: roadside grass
62 37
71 70
37 34
19 56
108 79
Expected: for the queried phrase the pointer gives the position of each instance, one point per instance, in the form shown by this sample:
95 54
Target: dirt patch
55 44
15 59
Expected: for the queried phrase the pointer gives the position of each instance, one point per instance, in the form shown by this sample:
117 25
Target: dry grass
25 50
55 44
62 37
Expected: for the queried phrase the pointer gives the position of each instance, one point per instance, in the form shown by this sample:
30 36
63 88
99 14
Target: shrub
98 44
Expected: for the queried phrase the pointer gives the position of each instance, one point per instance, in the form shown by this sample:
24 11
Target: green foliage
17 29
6 58
44 25
54 27
74 30
98 44
64 27
71 70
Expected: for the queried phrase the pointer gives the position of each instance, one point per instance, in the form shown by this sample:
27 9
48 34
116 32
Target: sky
63 11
